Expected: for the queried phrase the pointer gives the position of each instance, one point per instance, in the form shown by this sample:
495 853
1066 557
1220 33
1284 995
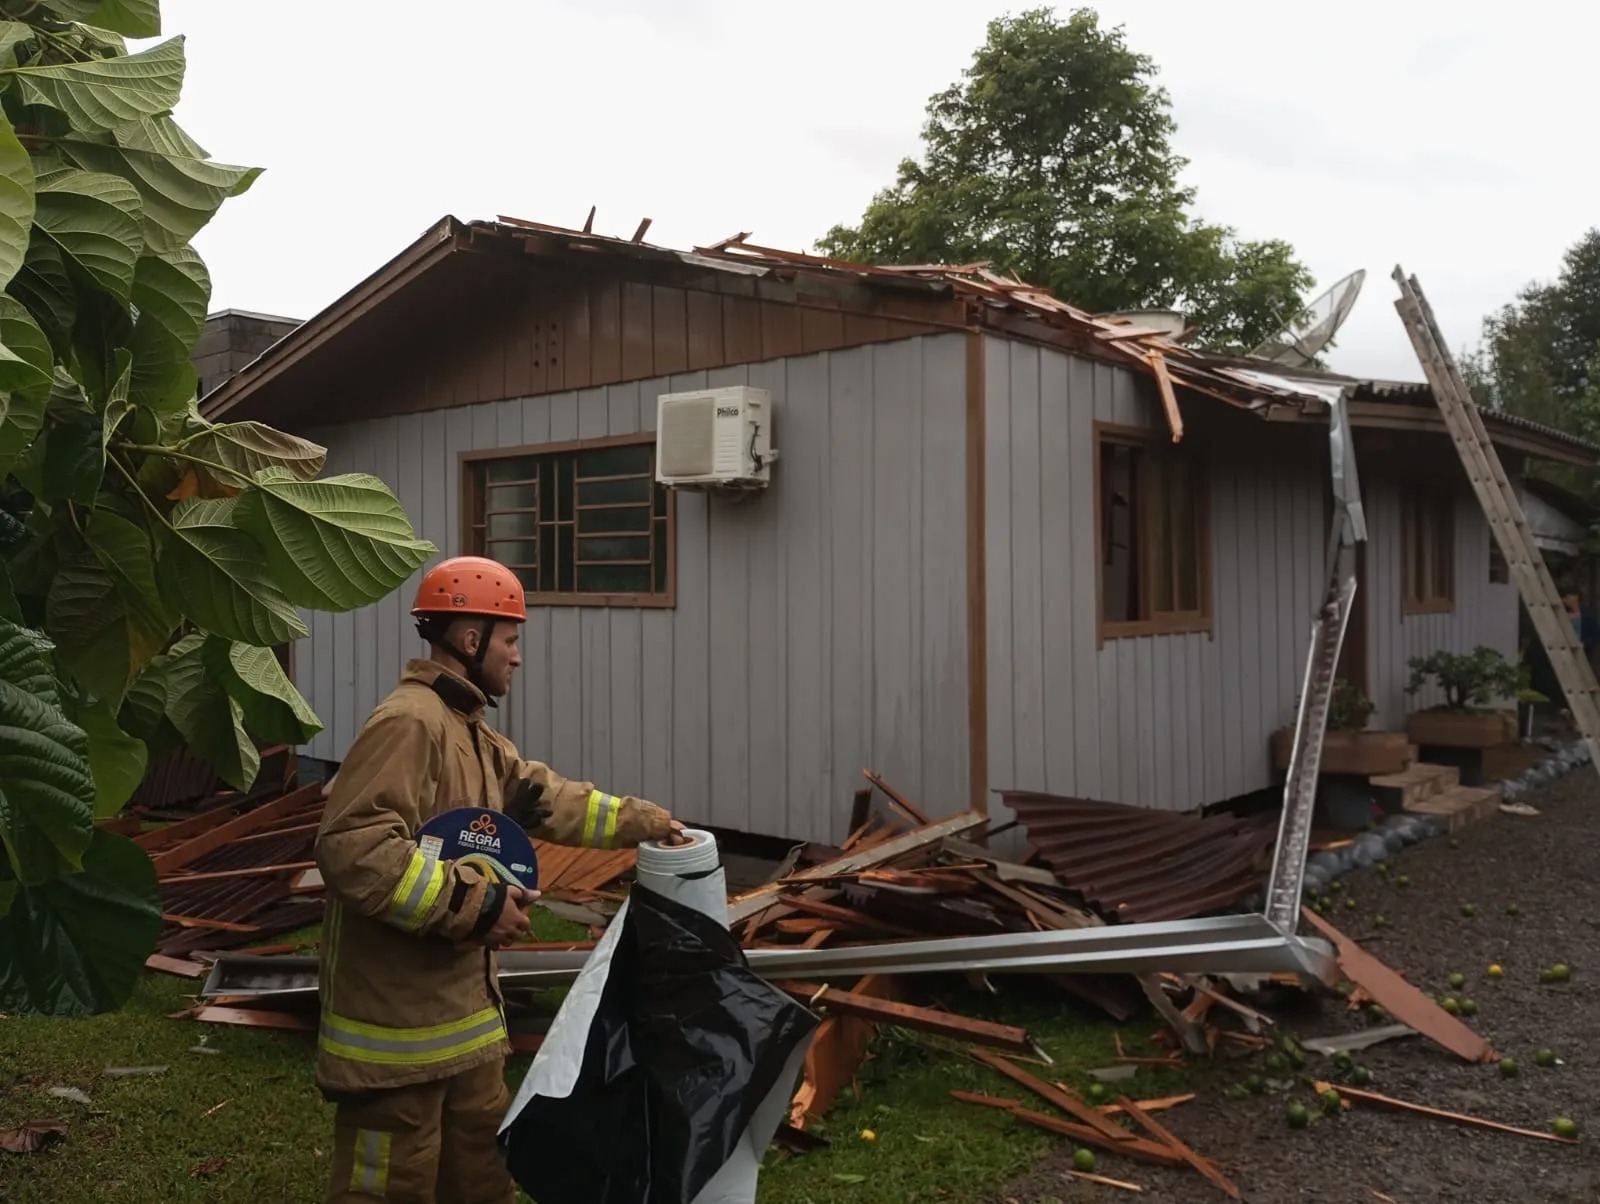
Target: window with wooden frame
1153 517
581 523
1427 549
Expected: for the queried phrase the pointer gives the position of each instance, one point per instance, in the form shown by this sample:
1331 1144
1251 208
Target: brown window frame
1428 549
1155 449
472 467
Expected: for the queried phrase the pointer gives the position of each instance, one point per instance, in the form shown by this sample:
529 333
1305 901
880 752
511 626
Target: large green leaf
333 544
274 711
116 759
77 945
174 290
86 617
181 193
123 550
250 447
12 34
74 459
25 373
44 286
164 378
217 574
46 790
106 93
210 721
94 219
144 706
133 18
16 201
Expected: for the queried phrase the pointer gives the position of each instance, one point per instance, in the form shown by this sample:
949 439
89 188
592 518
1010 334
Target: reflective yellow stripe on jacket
416 892
600 824
381 1045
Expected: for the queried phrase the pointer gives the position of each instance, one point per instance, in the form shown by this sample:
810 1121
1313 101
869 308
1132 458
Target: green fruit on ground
1276 1061
1560 972
1451 1005
1469 1007
1402 880
1458 980
1546 974
1545 1057
1563 1127
1512 909
1469 909
1298 1116
1379 921
1097 1091
1330 1100
1454 843
1083 1160
1382 867
1361 1076
1255 1084
1343 1060
1350 903
1508 1067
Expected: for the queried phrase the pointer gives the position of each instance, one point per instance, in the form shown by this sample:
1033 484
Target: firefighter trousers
427 1143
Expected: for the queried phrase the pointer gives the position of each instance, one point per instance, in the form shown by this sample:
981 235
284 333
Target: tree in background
150 560
1539 353
1052 159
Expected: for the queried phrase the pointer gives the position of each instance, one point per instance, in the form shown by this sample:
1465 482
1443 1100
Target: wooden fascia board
442 240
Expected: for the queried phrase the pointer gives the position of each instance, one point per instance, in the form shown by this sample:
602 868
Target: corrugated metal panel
1136 865
817 628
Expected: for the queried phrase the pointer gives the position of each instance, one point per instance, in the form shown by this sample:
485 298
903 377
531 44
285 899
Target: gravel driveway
1549 867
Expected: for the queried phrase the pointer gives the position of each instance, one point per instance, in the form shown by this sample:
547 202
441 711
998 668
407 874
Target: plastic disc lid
486 839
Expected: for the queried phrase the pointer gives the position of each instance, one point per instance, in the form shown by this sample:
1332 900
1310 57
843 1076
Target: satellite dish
1297 343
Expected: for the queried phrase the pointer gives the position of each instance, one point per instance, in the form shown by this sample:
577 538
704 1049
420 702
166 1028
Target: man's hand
512 921
663 827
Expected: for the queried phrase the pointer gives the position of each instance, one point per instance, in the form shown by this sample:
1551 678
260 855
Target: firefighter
412 1041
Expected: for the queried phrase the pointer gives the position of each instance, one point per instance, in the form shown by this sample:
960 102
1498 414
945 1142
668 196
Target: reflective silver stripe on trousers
368 1163
443 1039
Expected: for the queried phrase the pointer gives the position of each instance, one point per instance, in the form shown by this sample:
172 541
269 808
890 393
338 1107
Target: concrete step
1461 805
1420 780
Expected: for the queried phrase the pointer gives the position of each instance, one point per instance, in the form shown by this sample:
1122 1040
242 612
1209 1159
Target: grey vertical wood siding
818 629
1176 721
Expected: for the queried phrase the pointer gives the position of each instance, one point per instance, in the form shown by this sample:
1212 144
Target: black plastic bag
687 1041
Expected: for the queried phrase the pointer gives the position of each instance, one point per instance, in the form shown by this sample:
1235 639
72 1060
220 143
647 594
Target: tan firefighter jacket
408 989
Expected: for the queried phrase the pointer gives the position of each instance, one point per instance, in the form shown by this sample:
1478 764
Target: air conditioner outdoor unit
715 438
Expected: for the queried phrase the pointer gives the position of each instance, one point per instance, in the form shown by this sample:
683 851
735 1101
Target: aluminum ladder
1504 511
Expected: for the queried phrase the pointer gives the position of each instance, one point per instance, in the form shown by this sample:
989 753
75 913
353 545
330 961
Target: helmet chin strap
474 663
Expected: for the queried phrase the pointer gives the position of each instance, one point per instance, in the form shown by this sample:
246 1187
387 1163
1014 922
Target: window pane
614 579
1159 509
564 479
614 461
511 526
512 497
563 557
631 519
597 493
514 552
614 549
1119 511
520 468
660 583
1188 534
529 579
661 501
547 492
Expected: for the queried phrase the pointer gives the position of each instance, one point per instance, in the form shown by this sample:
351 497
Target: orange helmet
471 585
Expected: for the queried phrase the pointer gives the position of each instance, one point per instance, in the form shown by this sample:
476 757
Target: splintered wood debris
233 876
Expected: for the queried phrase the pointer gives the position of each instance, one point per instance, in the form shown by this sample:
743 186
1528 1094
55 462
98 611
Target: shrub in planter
1470 681
1347 748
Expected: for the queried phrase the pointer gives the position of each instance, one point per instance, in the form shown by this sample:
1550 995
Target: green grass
247 1123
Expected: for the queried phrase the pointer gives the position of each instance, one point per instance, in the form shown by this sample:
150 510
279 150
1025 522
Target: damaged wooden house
780 518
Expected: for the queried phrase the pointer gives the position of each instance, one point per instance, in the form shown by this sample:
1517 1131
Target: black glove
523 806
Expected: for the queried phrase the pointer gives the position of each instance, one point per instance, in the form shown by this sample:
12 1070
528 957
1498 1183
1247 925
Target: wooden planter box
1457 729
1362 754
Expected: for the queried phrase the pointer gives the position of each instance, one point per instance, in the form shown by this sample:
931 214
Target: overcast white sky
1454 140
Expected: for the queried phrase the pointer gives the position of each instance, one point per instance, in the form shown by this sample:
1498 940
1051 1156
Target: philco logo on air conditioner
727 411
481 832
